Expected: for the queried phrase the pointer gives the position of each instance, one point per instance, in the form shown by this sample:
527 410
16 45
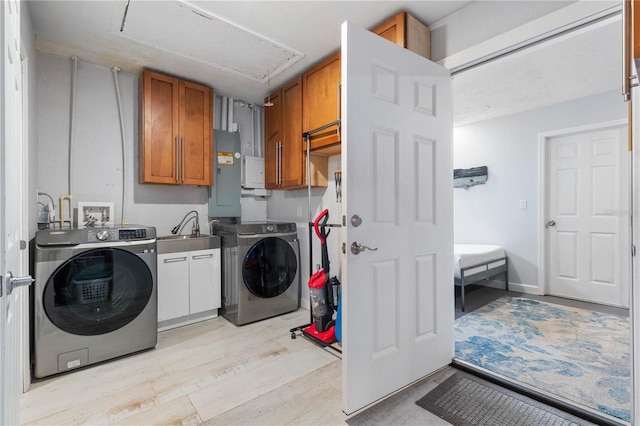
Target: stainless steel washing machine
260 270
94 297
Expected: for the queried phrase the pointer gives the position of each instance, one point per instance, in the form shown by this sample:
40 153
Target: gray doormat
466 400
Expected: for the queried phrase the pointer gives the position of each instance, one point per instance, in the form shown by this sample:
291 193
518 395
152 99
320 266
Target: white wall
452 34
491 213
97 156
293 206
485 27
97 170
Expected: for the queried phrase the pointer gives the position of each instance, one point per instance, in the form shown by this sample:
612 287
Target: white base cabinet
188 287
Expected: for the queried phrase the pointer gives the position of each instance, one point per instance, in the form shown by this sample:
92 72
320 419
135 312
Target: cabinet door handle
176 259
277 161
627 41
281 148
177 159
202 256
280 162
338 107
183 159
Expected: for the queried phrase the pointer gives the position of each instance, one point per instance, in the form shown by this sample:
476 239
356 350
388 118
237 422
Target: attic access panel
187 31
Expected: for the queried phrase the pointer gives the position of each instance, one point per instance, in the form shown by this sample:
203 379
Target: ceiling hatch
190 32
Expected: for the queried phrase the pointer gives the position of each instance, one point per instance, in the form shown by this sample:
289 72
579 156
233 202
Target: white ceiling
186 39
579 64
241 48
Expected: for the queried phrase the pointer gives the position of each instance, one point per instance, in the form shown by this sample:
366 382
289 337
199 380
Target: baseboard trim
519 287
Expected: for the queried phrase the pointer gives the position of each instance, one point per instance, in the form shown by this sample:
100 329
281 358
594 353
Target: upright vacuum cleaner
324 291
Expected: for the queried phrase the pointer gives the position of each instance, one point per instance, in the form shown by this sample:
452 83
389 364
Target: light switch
523 204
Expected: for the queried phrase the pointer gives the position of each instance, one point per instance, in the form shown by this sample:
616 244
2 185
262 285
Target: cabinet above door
321 105
322 82
176 131
406 31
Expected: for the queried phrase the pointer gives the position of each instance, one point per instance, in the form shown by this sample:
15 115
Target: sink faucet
195 230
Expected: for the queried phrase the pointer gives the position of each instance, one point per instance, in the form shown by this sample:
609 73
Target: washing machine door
98 291
269 268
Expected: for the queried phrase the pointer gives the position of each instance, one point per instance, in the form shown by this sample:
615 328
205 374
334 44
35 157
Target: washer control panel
269 228
132 234
99 235
102 235
74 236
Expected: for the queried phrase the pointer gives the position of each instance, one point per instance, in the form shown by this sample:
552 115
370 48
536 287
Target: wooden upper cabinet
321 101
176 131
197 134
291 159
321 84
285 161
406 31
272 140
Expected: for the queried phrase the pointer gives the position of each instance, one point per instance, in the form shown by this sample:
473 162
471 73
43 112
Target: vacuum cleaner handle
324 216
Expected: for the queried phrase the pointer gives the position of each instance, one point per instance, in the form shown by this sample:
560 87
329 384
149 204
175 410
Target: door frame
24 309
544 139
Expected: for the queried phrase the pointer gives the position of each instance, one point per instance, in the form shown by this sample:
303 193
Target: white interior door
398 303
11 213
588 221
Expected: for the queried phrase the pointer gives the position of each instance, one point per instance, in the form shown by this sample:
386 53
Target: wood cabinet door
272 140
159 122
393 29
196 138
176 131
321 100
406 31
291 155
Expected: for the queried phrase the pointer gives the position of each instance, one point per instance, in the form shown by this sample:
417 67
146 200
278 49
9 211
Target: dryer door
98 291
269 267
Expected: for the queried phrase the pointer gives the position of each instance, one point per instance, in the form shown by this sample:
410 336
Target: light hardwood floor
212 372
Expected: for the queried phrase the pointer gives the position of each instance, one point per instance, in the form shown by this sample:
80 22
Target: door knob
551 223
13 282
357 248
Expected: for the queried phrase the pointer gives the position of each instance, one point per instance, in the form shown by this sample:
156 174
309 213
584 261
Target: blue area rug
580 355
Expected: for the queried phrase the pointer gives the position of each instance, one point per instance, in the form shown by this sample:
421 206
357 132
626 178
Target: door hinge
1 286
344 248
633 250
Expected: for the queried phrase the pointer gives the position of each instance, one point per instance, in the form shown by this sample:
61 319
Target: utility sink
180 243
179 237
